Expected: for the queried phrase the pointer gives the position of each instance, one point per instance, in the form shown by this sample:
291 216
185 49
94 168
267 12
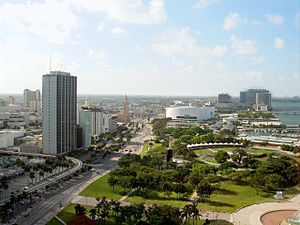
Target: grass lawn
291 192
230 197
54 221
228 149
100 188
156 197
203 151
68 215
145 149
259 151
157 149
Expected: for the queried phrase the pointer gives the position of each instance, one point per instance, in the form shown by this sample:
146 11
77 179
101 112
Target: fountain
295 219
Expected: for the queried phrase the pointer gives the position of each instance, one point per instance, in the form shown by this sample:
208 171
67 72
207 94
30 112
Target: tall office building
126 110
29 96
59 112
255 97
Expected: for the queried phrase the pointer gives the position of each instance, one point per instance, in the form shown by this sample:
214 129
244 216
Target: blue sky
156 47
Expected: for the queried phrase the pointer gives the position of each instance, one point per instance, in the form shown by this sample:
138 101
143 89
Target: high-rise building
243 97
29 96
91 122
11 100
126 110
59 112
263 98
253 97
224 98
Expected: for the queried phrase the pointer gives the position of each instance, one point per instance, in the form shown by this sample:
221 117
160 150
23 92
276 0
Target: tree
32 176
79 210
93 213
112 181
194 211
221 156
257 182
204 189
237 155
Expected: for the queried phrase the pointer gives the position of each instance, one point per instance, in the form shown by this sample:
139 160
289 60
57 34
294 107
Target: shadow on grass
153 195
219 204
291 191
225 191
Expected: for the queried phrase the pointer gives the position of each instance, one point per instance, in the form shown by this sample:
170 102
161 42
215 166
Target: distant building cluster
259 99
94 121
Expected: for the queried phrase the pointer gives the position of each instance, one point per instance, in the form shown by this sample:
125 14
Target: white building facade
190 113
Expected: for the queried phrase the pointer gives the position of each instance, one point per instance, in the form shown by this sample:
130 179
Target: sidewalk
251 215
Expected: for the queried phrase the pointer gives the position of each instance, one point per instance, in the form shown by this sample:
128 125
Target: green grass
156 197
228 149
68 215
100 188
230 197
157 149
259 151
54 221
190 222
291 192
203 151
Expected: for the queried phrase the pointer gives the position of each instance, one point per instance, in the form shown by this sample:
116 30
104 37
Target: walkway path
251 215
60 220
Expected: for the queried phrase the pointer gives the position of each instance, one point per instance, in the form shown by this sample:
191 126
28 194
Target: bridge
50 180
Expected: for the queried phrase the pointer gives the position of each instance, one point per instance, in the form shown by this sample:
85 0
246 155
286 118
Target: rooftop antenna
50 61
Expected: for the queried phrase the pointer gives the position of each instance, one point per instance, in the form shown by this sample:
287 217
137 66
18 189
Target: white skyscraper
59 112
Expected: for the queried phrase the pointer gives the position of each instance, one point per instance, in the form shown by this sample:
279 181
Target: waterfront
288 112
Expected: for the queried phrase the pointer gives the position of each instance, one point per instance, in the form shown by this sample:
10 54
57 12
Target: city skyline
152 48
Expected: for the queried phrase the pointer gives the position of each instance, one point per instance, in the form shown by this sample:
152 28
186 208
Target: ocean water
291 115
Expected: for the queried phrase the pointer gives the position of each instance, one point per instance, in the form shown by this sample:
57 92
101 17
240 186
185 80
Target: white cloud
233 20
201 4
52 20
100 27
243 47
119 31
127 11
278 43
174 42
99 55
275 19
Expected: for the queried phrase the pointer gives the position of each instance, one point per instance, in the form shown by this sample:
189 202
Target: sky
154 47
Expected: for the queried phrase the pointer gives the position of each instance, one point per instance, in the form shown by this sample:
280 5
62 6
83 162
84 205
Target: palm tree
79 210
138 213
32 176
186 212
112 181
41 174
93 213
194 212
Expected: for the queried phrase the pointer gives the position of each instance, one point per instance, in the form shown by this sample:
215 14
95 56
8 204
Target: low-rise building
7 137
191 113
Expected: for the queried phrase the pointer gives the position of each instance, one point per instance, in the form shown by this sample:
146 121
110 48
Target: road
42 212
48 181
